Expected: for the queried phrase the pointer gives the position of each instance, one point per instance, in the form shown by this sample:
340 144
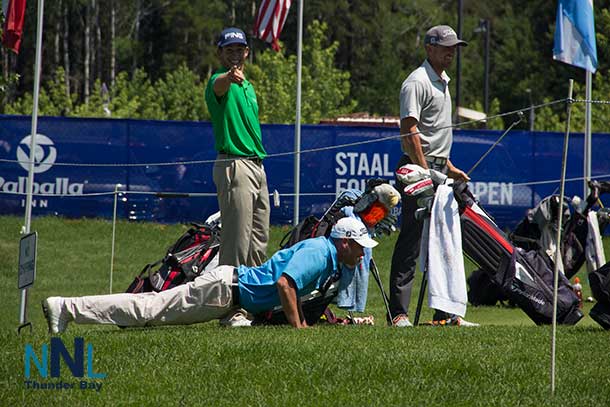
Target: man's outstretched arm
287 291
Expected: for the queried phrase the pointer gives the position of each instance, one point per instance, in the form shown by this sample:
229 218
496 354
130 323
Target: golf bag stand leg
384 296
420 298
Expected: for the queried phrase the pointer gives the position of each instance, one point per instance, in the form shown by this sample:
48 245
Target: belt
437 160
253 158
235 287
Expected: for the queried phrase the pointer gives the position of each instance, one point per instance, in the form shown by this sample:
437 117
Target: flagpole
587 154
34 131
297 125
559 223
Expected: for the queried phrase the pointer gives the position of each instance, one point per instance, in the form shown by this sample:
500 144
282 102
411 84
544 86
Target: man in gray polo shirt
425 123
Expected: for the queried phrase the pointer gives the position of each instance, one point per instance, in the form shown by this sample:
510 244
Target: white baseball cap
352 228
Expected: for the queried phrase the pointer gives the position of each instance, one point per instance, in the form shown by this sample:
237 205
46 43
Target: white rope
554 181
161 194
593 102
291 153
173 194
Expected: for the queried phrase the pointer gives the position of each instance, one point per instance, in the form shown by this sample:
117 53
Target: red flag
270 21
14 14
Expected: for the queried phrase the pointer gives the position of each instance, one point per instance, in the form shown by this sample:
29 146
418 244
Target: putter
386 301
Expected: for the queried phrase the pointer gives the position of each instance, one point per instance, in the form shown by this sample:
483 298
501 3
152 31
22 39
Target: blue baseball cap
230 36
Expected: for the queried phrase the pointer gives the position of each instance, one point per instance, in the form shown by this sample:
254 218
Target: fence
80 161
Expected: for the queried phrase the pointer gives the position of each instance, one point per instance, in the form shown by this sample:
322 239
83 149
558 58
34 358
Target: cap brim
233 41
451 43
366 241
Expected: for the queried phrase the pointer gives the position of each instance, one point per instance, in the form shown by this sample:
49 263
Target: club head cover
410 173
365 201
424 187
387 195
371 183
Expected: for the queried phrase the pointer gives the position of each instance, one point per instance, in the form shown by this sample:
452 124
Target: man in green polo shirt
239 174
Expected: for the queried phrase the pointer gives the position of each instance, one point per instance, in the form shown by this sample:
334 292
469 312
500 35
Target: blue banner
166 167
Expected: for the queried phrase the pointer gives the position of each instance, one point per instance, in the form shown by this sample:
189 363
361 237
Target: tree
182 95
325 89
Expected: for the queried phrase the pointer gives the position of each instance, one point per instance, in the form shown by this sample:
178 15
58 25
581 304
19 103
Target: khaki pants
243 199
206 298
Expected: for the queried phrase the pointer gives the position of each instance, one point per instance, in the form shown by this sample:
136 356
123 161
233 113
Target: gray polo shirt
425 97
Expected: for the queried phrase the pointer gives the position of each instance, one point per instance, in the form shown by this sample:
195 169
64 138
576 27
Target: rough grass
504 362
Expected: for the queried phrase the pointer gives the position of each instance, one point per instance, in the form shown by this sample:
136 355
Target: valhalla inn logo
45 154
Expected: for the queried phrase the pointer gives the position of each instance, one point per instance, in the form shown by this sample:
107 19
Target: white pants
206 298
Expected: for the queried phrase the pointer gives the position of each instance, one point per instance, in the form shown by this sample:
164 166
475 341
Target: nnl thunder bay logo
48 364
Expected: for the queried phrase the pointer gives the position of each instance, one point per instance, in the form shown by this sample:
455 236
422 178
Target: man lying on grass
282 280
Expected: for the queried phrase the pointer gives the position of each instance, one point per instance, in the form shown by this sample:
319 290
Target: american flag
270 21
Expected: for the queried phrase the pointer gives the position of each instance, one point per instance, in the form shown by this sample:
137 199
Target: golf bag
599 281
316 303
311 226
482 290
528 233
194 252
525 278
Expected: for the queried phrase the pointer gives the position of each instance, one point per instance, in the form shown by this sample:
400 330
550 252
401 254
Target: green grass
504 362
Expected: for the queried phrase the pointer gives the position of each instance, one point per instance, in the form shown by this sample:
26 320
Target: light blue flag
575 34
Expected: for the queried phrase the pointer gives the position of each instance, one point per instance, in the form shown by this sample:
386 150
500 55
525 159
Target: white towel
594 251
442 237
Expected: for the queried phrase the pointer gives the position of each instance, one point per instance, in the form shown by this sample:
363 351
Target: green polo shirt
237 130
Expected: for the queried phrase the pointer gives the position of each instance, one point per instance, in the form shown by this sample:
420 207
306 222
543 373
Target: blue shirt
309 263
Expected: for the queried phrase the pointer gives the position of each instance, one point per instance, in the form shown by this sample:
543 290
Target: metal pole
587 163
34 131
532 118
559 228
297 124
23 306
486 88
116 194
459 60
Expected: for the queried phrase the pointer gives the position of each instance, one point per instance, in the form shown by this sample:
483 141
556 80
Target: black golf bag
482 290
193 253
599 281
527 234
525 278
